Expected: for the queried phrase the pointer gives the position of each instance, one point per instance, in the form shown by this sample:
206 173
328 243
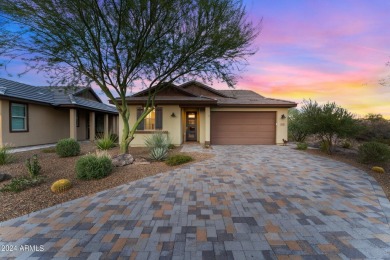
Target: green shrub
158 153
178 159
5 155
325 146
372 152
91 167
21 183
67 148
301 146
105 143
171 146
346 144
33 166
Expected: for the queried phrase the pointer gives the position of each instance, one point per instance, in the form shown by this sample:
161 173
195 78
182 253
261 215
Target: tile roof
51 96
249 97
230 97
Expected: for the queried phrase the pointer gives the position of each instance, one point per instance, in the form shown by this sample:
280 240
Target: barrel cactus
378 169
61 186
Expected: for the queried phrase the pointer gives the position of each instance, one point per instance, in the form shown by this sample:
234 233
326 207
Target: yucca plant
105 143
158 144
158 140
158 153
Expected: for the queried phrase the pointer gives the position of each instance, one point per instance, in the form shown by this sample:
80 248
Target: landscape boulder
122 160
4 177
141 161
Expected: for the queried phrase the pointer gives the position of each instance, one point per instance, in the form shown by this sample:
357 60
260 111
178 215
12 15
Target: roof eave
259 105
88 108
16 99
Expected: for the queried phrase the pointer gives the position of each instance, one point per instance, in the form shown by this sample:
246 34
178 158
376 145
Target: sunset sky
333 50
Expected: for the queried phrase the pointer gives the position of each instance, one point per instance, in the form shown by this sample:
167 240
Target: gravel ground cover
54 168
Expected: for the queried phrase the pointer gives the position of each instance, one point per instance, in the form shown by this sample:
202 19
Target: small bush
21 183
325 147
178 159
91 167
346 144
67 148
33 166
378 169
158 153
105 143
5 155
61 186
301 146
171 147
373 152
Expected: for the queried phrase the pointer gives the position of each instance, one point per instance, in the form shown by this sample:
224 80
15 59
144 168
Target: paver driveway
248 202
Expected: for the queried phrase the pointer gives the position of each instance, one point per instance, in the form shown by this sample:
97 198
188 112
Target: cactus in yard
378 169
61 186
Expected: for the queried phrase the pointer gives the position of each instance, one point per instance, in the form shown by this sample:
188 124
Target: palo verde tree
117 44
329 122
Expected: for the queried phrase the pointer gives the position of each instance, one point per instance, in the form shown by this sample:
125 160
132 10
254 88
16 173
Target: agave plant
158 153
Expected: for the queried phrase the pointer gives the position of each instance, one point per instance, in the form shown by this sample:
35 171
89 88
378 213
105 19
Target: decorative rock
4 177
122 160
139 161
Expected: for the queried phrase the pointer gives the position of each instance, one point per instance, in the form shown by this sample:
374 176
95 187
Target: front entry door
191 126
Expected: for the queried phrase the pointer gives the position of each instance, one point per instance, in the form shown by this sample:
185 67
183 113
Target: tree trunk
125 140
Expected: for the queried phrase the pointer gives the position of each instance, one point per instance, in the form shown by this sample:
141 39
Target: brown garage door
243 127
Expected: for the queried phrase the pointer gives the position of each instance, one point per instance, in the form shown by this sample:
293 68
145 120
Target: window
18 117
150 120
153 121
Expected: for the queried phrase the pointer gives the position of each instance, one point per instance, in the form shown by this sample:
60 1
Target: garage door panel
243 127
244 141
262 135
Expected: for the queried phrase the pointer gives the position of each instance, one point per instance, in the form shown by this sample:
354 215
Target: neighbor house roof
54 96
223 98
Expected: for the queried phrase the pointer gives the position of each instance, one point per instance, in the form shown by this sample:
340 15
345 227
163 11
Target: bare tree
117 43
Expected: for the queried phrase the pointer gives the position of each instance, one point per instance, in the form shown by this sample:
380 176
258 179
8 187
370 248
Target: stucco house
196 112
31 115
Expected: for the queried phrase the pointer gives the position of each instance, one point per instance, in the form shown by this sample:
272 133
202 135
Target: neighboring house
199 113
32 115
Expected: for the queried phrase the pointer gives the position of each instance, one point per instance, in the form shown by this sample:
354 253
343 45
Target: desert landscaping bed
383 179
54 168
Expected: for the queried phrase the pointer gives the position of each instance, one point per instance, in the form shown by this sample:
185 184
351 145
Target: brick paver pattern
248 202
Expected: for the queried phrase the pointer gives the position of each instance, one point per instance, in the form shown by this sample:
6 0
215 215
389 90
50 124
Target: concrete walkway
248 202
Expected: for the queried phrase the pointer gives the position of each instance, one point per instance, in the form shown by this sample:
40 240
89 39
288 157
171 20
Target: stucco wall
170 124
281 124
46 125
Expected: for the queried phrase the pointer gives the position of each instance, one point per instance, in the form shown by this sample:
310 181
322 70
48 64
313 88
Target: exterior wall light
283 116
173 114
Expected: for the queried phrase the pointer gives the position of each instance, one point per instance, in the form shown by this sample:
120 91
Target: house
195 112
32 115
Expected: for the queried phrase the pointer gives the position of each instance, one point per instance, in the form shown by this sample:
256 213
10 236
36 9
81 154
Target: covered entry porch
88 125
